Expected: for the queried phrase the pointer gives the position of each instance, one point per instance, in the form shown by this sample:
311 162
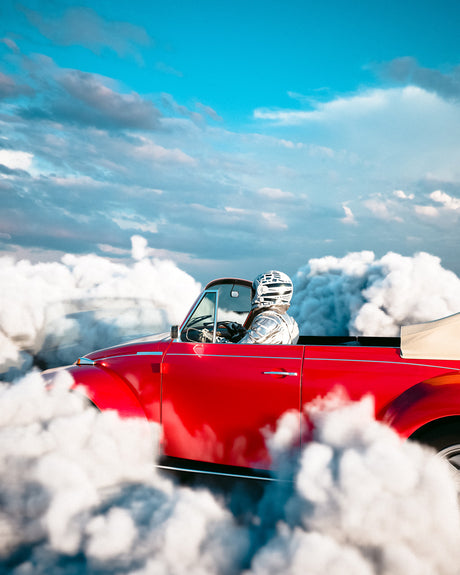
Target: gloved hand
229 331
235 330
206 336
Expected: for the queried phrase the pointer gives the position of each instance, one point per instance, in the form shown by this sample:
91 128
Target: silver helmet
272 288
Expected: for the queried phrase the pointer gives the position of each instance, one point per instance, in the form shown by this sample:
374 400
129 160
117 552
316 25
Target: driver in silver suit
268 322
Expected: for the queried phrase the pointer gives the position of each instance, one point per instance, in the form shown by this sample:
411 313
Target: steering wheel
196 333
229 330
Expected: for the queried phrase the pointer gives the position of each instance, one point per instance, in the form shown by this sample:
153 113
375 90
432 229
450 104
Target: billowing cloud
126 110
447 201
199 117
86 99
399 207
100 149
349 216
80 493
409 131
83 26
79 489
428 211
358 105
148 150
9 88
401 194
16 159
383 209
54 312
130 221
408 71
362 295
273 221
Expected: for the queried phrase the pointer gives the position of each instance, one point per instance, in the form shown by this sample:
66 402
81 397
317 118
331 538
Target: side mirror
174 331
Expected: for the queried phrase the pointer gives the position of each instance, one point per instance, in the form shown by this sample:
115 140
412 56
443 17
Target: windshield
234 304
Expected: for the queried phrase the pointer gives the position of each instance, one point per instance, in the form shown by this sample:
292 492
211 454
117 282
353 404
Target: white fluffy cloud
362 295
78 488
383 209
408 131
54 312
57 311
79 494
356 494
15 159
351 151
349 216
447 201
401 194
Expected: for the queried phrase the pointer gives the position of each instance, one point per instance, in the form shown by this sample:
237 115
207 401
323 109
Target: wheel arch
435 427
432 403
106 390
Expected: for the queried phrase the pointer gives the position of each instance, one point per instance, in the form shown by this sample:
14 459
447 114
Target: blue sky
234 136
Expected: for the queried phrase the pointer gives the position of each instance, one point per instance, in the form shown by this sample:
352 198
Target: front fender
106 390
424 403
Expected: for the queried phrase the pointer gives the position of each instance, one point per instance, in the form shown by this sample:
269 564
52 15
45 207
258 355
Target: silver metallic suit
270 326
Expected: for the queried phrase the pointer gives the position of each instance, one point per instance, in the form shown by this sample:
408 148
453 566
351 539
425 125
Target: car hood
153 343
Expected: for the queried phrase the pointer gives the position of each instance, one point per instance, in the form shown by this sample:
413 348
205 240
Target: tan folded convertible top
439 339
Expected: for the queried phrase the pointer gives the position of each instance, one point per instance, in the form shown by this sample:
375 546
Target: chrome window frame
192 311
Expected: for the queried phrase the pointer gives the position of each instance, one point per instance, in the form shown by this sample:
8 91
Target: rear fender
106 390
424 403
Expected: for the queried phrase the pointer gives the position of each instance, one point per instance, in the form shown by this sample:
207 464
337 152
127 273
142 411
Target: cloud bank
79 494
51 313
292 183
364 295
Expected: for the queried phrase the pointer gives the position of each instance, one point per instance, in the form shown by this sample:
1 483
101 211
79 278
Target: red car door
220 400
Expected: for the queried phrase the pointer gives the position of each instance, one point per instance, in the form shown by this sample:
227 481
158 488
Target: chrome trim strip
85 361
280 373
347 359
235 356
220 473
115 356
216 309
107 357
191 312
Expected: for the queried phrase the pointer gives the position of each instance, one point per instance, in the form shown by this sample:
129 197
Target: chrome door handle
280 373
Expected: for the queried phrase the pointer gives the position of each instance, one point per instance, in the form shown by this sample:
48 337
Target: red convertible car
215 401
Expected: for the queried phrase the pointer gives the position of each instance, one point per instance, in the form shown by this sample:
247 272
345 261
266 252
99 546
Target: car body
216 401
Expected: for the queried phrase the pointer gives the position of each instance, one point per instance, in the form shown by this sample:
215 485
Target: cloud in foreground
80 494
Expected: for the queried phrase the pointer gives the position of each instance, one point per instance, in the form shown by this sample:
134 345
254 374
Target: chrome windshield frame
193 309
